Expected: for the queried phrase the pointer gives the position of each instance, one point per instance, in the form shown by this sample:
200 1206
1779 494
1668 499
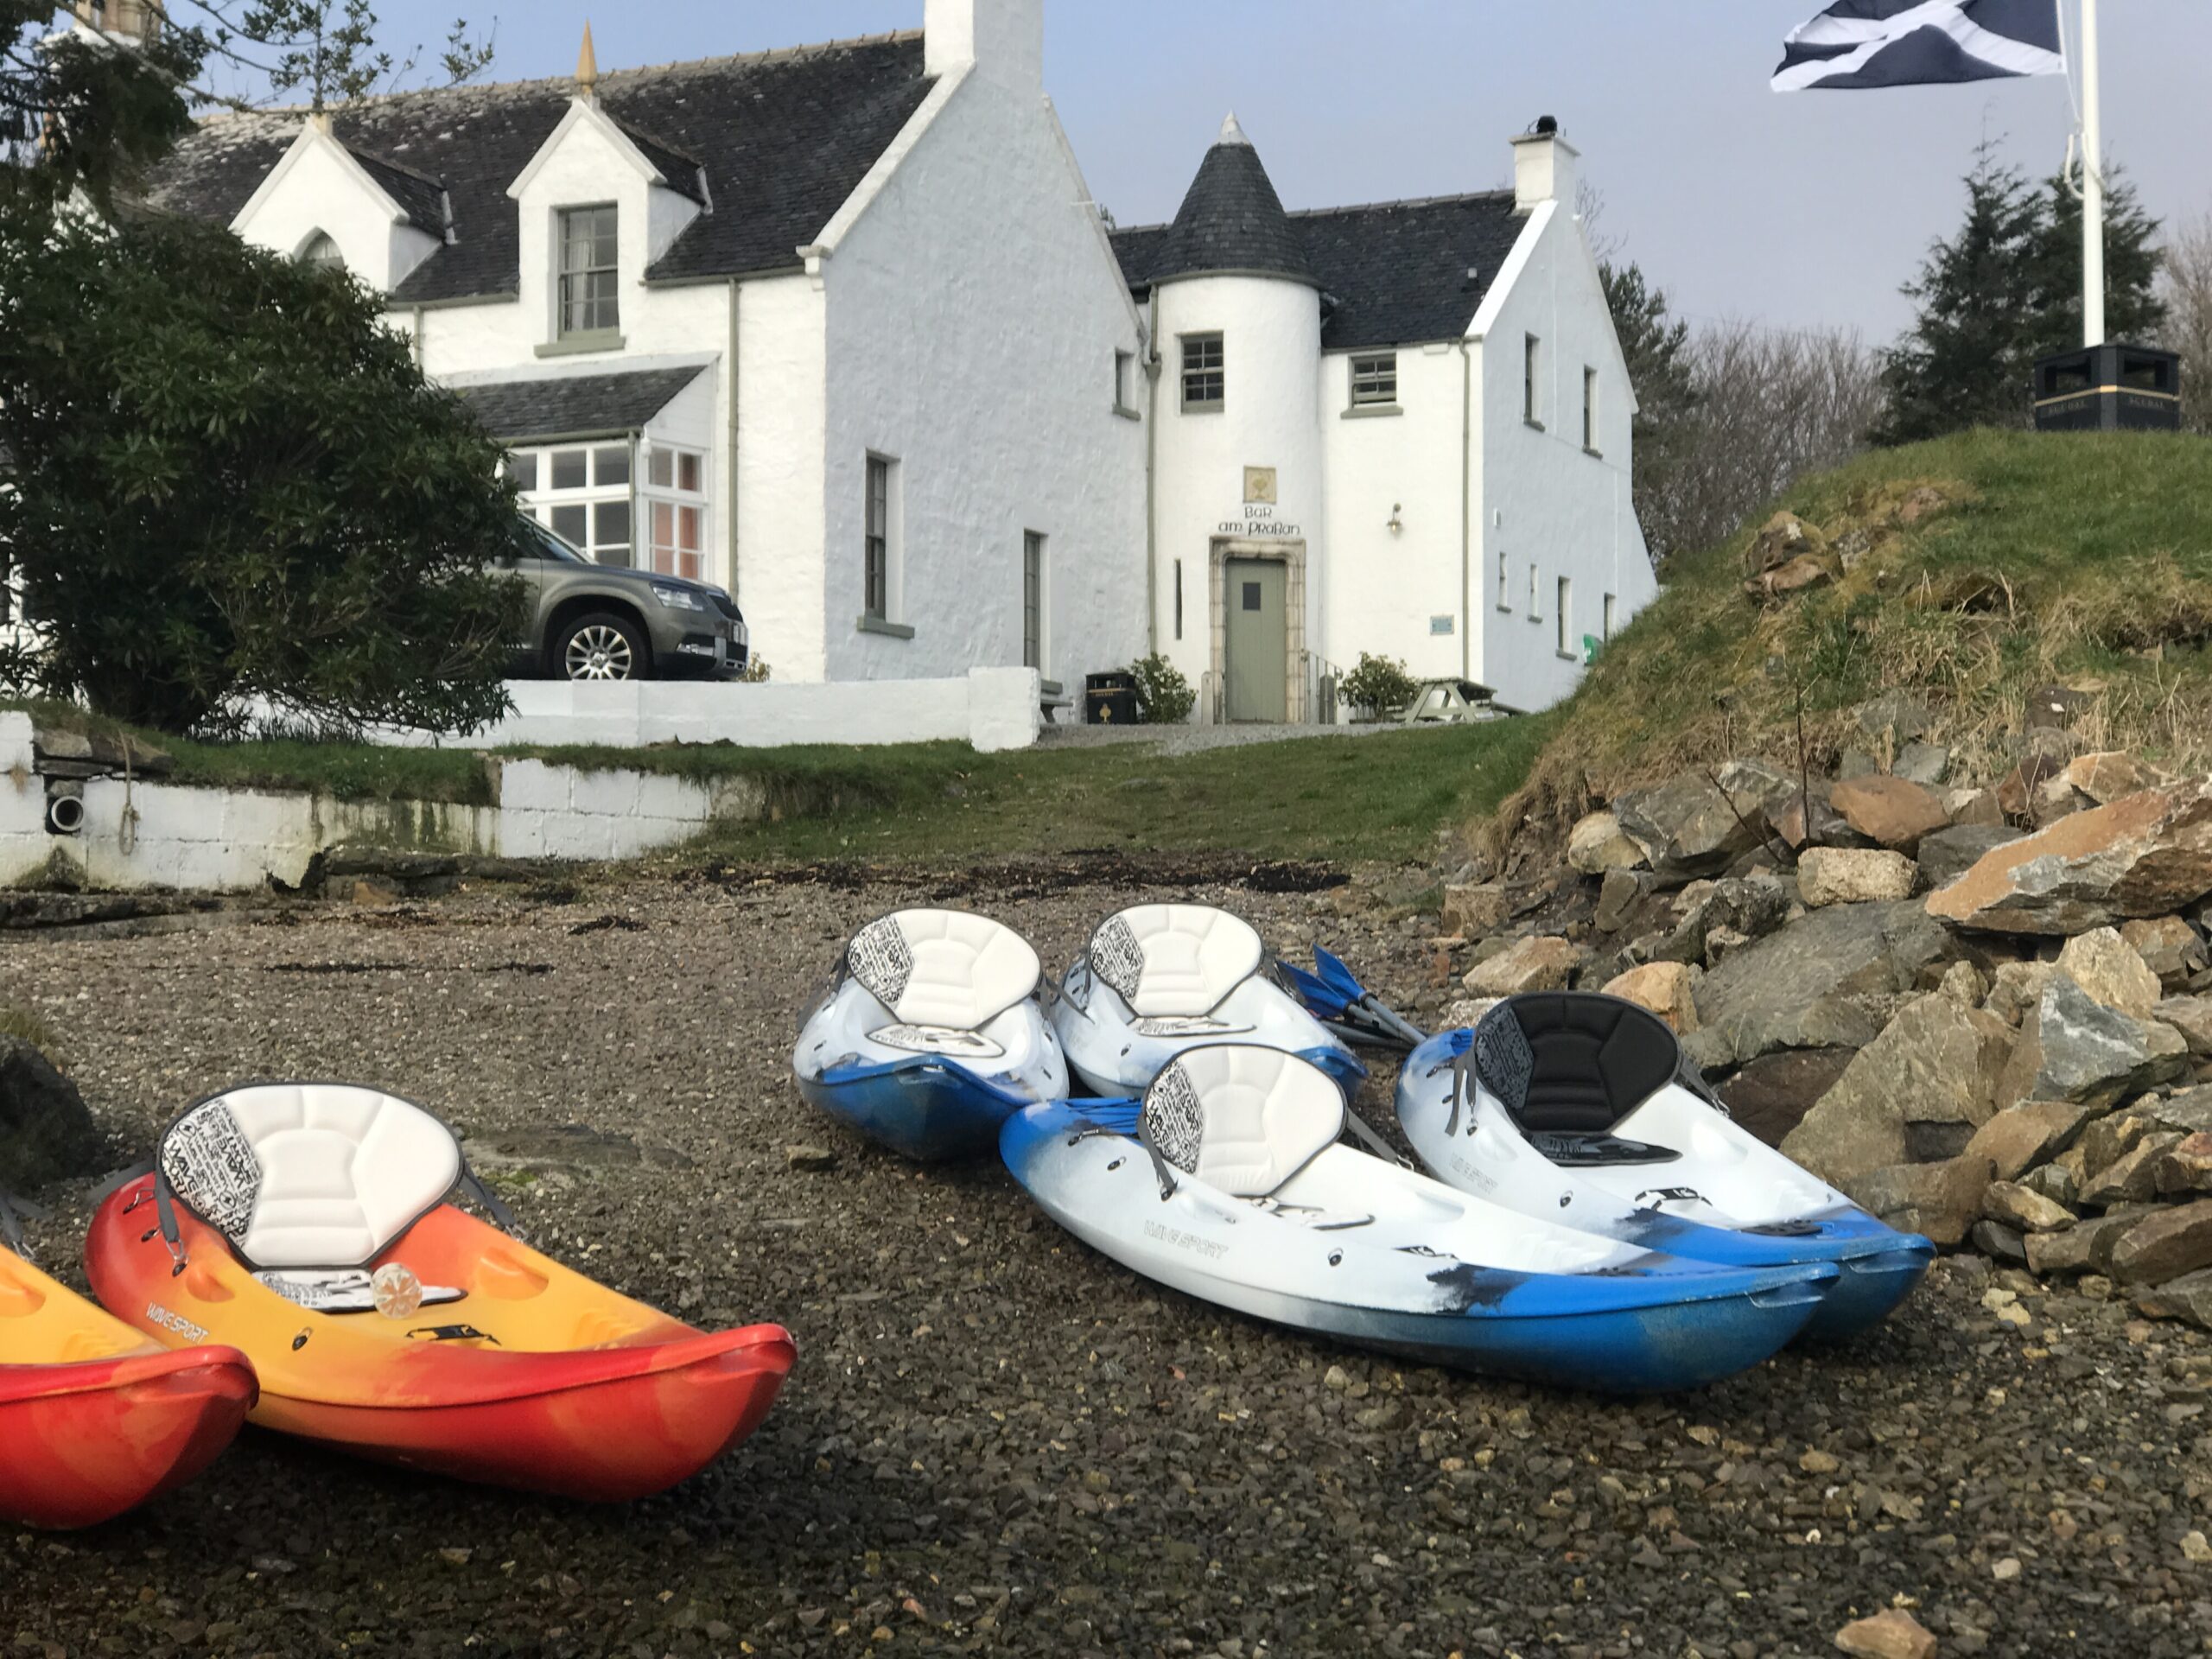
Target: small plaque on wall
1442 624
1260 485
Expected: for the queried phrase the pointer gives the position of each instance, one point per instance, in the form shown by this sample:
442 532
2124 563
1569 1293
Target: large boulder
2145 855
1475 908
1539 963
46 1133
2112 971
1853 875
1598 843
1946 855
1828 980
2024 1210
1668 988
2085 1247
1921 1088
1771 1096
2189 1110
1888 810
2187 1166
2132 1177
2111 775
2165 1245
1940 1201
2034 1132
2192 1017
2189 1297
1693 825
2169 948
2073 1047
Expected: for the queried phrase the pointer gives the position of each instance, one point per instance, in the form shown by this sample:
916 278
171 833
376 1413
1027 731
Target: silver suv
593 621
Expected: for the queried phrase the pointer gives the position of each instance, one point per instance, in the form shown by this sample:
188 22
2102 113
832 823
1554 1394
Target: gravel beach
997 1442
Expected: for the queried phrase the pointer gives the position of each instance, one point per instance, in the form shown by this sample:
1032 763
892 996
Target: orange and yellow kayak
94 1418
535 1377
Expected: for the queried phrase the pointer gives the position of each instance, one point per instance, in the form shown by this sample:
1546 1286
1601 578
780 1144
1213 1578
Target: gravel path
996 1441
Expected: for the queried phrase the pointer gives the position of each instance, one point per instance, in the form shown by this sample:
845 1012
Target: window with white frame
1565 613
589 261
675 498
581 492
320 251
875 589
1590 410
1375 380
1204 380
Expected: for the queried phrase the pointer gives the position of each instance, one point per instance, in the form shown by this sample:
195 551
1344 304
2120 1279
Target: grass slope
2055 559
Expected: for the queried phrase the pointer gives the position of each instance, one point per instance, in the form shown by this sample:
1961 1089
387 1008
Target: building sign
1259 524
1440 623
1260 486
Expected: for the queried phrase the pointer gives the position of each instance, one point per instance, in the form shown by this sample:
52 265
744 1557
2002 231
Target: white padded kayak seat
949 969
1242 1118
310 1174
1168 960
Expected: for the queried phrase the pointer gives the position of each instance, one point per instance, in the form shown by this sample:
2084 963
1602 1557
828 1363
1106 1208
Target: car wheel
602 646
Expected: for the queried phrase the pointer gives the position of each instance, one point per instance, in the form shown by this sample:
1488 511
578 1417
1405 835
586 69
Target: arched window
320 250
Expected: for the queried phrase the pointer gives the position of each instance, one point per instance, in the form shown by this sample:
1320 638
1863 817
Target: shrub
231 481
1378 685
1164 697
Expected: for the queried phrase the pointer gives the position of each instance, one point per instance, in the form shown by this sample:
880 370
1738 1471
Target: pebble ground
996 1441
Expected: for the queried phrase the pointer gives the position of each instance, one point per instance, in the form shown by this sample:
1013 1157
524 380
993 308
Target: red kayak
94 1418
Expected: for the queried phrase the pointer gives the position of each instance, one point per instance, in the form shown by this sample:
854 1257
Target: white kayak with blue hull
1157 980
1229 1182
931 1035
1579 1108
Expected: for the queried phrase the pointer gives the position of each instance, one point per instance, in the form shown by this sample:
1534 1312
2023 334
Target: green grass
2082 560
1381 796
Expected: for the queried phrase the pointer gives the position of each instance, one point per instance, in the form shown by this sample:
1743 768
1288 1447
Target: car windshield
539 543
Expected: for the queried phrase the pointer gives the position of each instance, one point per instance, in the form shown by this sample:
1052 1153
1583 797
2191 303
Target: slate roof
1231 218
573 405
1390 272
783 139
422 199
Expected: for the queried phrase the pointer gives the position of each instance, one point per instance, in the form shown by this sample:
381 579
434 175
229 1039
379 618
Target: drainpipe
731 494
1151 344
418 339
1466 510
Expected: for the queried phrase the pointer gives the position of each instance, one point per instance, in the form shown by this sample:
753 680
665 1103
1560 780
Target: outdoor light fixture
1397 525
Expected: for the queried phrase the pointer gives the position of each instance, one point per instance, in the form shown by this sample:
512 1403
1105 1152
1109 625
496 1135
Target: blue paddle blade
1339 979
1320 999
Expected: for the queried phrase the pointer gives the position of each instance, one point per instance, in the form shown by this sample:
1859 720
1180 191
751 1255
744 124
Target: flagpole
2092 186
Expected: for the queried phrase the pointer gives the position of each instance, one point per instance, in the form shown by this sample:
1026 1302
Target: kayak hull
83 1443
537 1379
1630 1330
929 1109
1479 1150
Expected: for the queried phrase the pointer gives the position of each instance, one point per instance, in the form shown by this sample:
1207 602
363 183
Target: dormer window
320 251
588 265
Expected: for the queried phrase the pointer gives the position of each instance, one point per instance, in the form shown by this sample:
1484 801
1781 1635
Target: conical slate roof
1232 219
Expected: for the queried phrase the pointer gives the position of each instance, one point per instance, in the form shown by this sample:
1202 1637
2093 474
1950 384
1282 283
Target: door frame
1289 553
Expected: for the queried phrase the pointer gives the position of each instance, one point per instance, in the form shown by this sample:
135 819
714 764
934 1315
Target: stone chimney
131 21
1003 39
1543 167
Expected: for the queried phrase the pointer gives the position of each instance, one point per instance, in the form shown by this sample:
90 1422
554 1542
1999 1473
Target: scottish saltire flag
1860 43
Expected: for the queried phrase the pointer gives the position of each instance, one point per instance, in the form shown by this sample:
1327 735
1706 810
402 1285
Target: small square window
1251 600
522 470
610 532
687 472
569 472
1205 382
1375 380
611 466
571 525
661 469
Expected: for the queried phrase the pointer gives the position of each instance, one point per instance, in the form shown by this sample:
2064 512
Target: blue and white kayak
1577 1108
931 1035
1157 980
1229 1182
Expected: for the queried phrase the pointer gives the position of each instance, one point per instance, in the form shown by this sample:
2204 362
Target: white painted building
840 328
1400 428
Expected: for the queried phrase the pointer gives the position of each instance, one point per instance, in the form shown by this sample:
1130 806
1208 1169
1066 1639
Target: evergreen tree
1654 341
2003 291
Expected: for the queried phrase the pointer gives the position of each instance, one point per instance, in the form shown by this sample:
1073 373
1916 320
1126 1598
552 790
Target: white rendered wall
1271 353
782 411
1540 497
1383 588
321 189
974 310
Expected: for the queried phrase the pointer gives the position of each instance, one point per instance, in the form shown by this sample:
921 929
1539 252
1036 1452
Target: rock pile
1985 1013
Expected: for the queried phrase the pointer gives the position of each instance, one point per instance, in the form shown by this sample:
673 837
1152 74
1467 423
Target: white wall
1383 588
974 310
782 415
320 188
1271 348
1540 497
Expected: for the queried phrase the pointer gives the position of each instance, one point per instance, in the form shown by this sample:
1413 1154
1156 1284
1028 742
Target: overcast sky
1805 209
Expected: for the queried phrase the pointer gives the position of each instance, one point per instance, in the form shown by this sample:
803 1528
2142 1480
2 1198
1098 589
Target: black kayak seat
1572 1062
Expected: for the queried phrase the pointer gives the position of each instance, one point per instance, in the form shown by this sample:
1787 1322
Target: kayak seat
1170 960
947 969
1242 1119
1572 1062
309 1175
